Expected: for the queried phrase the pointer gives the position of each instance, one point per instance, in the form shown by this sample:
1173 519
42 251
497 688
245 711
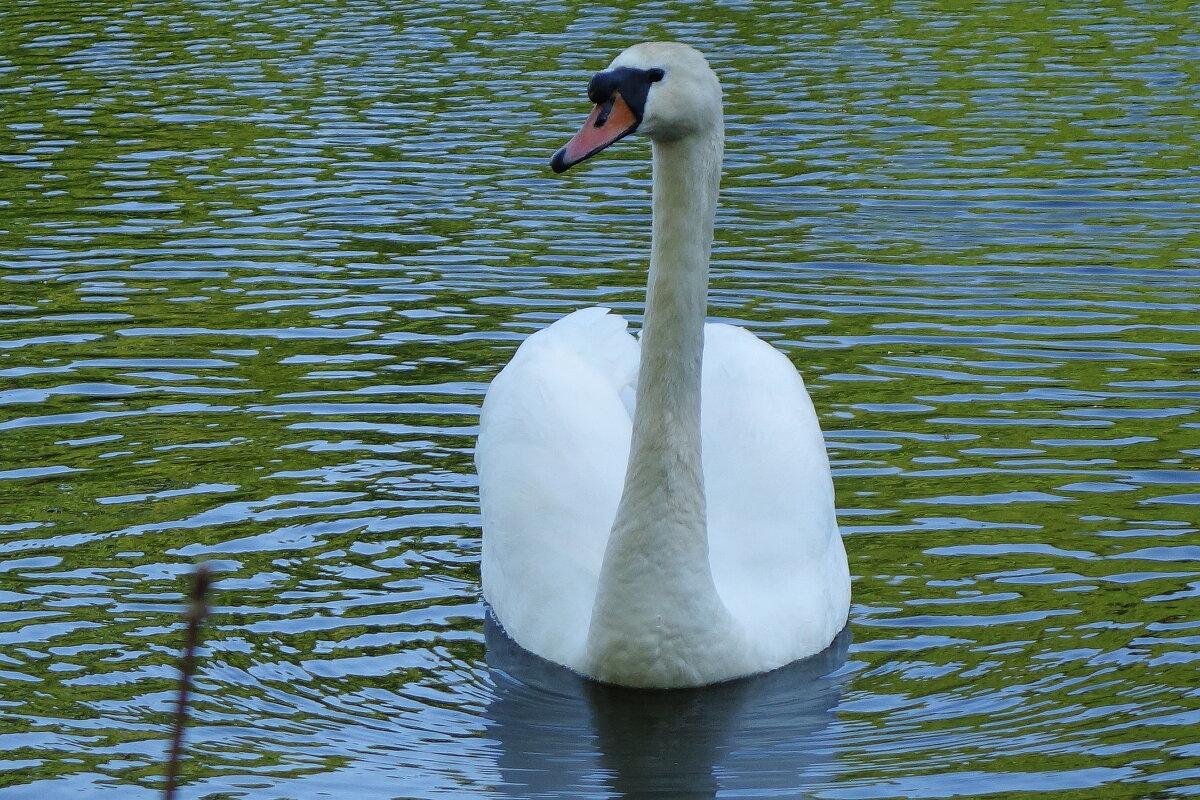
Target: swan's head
666 90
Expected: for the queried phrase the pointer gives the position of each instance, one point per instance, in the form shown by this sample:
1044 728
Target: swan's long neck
656 604
664 475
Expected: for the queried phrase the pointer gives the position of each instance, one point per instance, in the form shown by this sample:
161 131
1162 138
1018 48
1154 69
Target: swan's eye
655 75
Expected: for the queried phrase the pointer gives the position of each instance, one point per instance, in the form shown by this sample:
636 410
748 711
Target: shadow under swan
560 734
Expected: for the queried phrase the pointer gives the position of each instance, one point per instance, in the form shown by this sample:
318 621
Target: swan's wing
552 452
775 548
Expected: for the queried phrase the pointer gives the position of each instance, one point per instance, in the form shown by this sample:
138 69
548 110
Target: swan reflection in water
562 735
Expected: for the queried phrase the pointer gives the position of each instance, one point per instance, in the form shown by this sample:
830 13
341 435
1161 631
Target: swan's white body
661 515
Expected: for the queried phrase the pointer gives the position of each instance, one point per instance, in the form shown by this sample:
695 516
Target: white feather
553 445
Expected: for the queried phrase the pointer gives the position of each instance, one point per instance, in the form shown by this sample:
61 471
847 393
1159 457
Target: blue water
259 262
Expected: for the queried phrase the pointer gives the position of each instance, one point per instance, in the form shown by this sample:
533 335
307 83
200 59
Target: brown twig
196 611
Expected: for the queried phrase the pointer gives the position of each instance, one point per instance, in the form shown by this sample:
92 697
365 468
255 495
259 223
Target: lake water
259 261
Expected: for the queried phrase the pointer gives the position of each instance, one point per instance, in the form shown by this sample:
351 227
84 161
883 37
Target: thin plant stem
196 611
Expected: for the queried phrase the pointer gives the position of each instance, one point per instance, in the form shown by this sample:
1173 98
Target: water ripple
261 261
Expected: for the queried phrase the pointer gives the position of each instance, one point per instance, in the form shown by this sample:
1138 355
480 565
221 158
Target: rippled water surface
258 262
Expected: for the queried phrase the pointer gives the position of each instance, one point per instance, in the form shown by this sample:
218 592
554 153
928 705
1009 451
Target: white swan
626 535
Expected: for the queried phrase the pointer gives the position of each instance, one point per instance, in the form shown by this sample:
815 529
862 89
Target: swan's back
552 455
552 451
774 546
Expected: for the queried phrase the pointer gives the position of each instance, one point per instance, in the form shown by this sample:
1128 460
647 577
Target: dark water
259 261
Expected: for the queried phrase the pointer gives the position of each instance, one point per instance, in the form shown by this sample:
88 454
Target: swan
659 515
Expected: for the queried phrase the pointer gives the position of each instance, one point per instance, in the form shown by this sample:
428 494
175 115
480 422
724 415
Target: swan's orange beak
608 122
